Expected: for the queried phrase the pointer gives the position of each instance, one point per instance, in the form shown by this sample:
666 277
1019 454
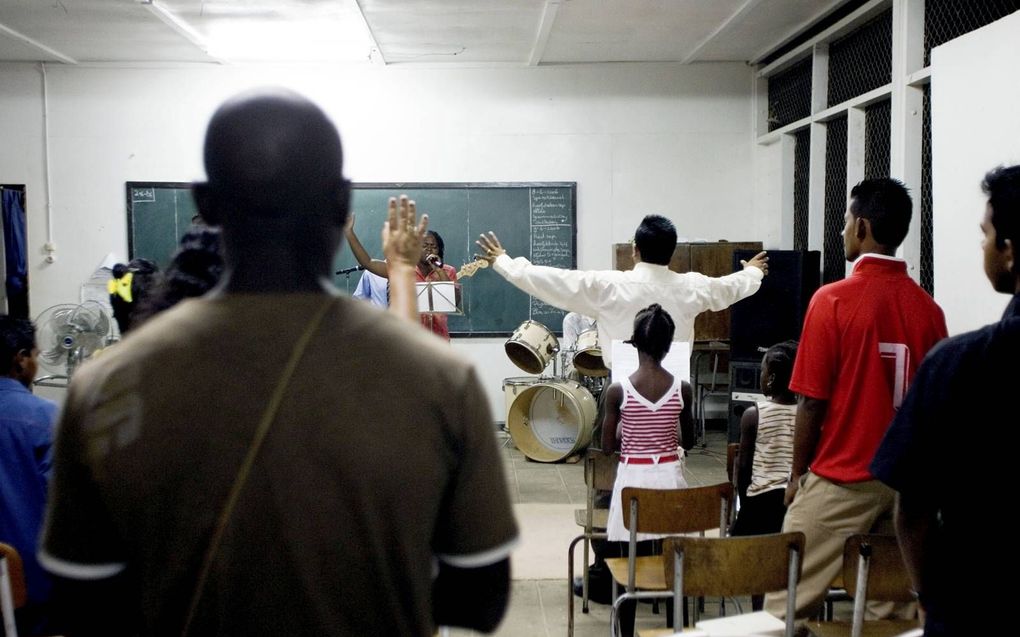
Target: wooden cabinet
711 259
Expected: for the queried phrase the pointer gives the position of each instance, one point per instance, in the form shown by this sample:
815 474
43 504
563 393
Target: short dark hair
653 331
655 239
440 246
195 269
16 335
779 359
886 204
1002 185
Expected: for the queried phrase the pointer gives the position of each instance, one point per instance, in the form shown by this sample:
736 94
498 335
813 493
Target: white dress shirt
613 298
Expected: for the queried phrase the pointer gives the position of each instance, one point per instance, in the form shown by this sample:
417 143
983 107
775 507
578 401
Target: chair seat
599 518
649 572
871 628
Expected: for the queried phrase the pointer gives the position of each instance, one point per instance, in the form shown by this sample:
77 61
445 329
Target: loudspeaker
775 313
745 390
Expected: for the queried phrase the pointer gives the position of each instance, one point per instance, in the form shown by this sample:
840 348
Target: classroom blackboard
158 214
535 220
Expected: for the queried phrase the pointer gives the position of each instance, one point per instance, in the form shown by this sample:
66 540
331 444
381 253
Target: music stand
438 297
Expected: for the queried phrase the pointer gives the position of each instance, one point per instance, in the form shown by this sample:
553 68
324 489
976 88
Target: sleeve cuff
483 558
77 571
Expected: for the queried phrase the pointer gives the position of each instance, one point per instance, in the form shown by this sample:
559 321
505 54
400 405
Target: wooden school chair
873 566
668 512
599 475
731 566
13 591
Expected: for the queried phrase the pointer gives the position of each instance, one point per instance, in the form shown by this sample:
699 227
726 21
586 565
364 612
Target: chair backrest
874 565
600 470
675 511
730 566
13 592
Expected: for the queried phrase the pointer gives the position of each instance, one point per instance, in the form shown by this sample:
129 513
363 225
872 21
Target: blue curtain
15 251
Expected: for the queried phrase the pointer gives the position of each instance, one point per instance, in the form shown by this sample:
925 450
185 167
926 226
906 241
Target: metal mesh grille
948 19
926 269
877 136
801 173
861 60
790 94
834 267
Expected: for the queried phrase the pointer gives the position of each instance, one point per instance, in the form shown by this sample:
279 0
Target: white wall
974 129
637 138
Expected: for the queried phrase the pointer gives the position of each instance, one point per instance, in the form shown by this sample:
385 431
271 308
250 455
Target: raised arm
724 291
808 427
375 266
571 290
614 397
401 241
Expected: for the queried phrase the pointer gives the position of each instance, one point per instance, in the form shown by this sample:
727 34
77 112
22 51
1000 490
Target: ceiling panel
763 27
458 31
633 30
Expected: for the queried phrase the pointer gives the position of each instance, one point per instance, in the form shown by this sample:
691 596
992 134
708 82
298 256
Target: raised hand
402 233
760 261
490 245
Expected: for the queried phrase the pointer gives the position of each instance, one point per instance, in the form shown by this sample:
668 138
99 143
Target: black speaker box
775 313
745 389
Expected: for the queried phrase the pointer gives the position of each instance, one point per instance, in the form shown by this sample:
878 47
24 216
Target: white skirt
667 475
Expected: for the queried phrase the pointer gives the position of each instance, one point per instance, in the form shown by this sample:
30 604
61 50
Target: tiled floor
544 496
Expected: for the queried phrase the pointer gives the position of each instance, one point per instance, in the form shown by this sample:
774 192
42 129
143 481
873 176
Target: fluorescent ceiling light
286 41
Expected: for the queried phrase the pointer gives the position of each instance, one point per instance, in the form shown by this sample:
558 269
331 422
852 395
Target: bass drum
551 419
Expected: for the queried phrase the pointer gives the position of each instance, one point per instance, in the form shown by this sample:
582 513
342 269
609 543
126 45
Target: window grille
790 95
877 139
834 267
861 60
801 174
926 269
945 20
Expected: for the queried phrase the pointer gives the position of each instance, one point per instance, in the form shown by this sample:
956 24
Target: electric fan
67 335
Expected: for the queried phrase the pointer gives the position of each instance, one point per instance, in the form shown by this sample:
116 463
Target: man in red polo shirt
863 339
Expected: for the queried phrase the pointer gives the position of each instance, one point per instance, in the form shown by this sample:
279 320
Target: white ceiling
508 32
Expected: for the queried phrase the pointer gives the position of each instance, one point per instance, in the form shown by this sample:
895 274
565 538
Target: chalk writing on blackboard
143 195
550 206
552 245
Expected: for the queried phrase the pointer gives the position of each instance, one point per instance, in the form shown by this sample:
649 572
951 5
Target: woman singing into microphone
430 267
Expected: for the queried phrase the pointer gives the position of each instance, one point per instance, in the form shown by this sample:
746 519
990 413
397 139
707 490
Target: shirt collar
874 260
1013 309
10 384
650 267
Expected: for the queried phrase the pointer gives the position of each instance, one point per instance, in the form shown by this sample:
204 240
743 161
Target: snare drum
532 347
588 359
549 419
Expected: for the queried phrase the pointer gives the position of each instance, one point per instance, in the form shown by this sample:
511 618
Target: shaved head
272 152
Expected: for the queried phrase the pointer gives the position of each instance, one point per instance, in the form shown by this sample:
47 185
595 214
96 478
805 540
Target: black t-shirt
952 445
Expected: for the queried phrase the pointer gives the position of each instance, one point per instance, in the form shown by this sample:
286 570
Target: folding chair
668 512
874 564
13 592
599 475
731 566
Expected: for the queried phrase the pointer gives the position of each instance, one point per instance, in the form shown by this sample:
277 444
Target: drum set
550 418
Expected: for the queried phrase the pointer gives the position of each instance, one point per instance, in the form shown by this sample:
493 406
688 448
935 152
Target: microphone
435 260
349 270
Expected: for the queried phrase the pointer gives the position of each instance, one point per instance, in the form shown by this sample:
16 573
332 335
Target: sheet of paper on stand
438 297
677 361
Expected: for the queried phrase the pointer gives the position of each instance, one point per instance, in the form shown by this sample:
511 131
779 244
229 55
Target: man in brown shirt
273 459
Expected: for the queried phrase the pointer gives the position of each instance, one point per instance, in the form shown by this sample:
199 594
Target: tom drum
588 359
532 346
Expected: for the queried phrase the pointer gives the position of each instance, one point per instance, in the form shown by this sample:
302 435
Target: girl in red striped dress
644 414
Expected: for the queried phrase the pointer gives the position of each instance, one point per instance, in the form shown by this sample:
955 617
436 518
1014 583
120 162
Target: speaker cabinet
775 313
745 391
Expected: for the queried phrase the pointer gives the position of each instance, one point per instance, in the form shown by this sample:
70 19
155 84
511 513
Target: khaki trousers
827 514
